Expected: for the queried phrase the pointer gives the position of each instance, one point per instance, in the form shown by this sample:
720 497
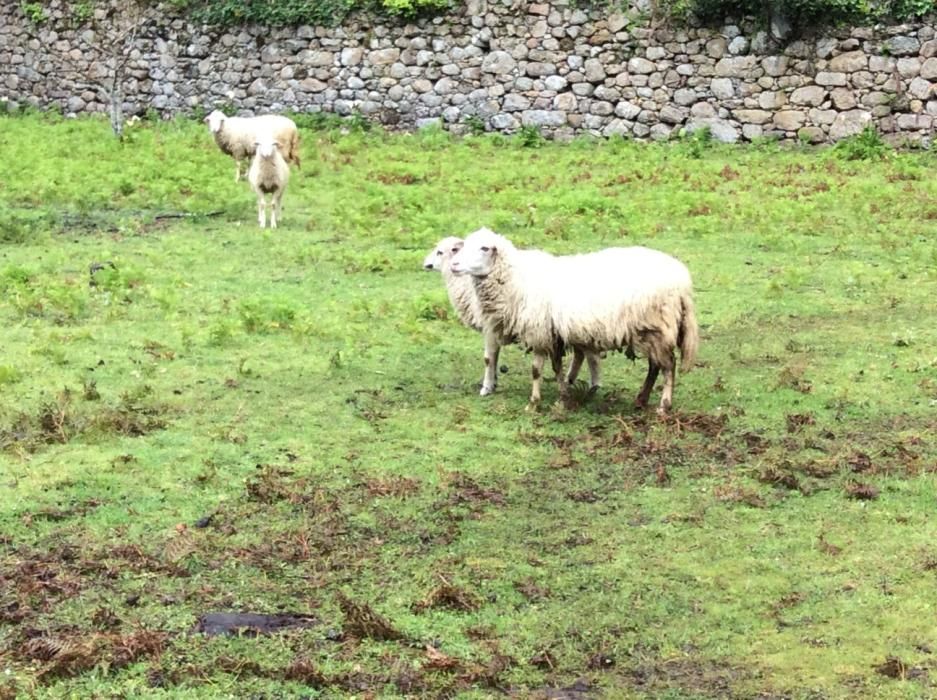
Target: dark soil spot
466 490
861 492
776 477
695 678
601 661
448 596
893 667
580 690
398 179
828 547
543 659
755 444
819 469
586 496
304 671
733 493
398 486
531 590
860 462
702 423
796 421
251 624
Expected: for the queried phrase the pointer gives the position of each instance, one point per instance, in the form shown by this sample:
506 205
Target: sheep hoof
661 411
486 391
594 389
532 406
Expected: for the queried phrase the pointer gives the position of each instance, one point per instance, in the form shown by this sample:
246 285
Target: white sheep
268 174
615 299
462 296
237 136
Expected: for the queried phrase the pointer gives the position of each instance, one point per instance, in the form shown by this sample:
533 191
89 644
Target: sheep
462 296
237 136
615 299
268 174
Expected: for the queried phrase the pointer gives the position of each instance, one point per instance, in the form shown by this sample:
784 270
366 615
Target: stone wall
501 63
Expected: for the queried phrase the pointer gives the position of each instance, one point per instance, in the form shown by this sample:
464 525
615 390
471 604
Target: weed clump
866 145
529 136
362 622
62 419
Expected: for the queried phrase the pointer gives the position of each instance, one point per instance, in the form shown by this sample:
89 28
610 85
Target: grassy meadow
200 416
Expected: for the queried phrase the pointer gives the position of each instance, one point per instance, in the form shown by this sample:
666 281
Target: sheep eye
438 252
485 249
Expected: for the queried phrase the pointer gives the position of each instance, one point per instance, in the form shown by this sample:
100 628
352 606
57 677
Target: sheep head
266 147
440 256
215 121
478 254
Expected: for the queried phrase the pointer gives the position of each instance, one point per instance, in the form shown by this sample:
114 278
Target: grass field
198 416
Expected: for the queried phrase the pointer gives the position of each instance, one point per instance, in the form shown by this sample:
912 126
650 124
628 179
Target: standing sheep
268 174
615 299
462 296
237 136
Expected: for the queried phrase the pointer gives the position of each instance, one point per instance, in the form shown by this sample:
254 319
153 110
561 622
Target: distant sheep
462 296
615 299
237 136
268 174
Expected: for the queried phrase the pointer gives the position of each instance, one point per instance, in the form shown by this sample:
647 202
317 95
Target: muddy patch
251 624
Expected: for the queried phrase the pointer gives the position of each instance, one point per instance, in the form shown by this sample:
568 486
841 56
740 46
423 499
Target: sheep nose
428 266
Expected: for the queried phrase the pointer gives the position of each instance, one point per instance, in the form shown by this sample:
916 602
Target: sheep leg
575 366
237 169
595 372
562 382
261 210
275 207
492 350
668 366
278 199
652 371
536 373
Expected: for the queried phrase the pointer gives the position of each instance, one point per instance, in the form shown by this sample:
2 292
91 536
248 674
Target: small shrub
867 145
475 124
433 136
34 12
221 333
695 143
529 136
9 375
317 121
357 122
284 13
263 315
82 11
802 14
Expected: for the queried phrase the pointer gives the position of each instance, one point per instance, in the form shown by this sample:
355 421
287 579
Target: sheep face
266 147
439 257
215 121
477 256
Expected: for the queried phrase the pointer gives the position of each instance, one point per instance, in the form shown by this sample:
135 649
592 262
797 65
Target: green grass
309 389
